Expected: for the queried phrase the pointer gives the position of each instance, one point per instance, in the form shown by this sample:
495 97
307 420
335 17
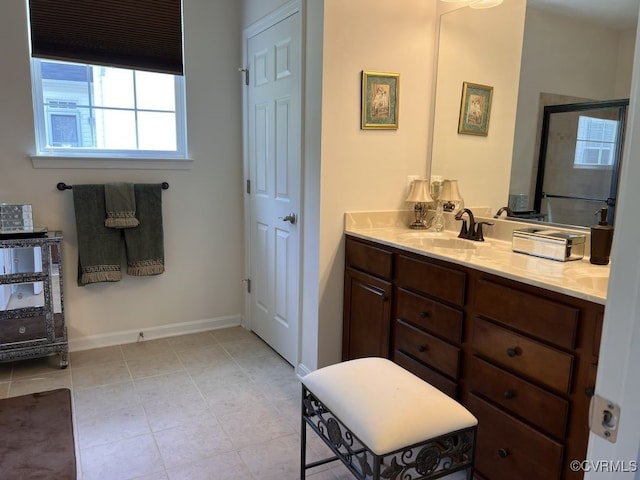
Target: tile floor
215 405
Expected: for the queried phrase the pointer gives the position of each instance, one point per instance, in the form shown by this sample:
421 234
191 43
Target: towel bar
63 186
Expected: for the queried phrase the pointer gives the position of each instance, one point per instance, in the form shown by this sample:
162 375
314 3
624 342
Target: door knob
291 218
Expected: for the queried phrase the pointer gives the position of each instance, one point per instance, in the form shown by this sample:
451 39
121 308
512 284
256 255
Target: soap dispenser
601 238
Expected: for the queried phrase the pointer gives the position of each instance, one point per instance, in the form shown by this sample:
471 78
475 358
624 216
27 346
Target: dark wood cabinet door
367 316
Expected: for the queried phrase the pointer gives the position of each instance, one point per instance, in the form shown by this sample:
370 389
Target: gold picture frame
380 95
475 109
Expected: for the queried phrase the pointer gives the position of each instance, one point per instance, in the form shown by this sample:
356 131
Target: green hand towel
98 246
120 204
145 243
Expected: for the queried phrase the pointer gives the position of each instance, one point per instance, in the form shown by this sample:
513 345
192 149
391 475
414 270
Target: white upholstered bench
383 422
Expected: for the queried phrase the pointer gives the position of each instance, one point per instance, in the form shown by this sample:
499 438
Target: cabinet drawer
368 258
430 376
533 359
429 315
23 329
541 318
427 349
508 449
440 282
539 407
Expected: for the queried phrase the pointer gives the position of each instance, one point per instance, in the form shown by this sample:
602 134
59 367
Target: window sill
130 163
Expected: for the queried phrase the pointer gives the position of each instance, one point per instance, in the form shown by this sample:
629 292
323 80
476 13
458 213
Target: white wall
484 47
565 56
202 208
367 169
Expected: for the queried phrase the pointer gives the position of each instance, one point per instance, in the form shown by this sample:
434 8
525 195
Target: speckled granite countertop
578 278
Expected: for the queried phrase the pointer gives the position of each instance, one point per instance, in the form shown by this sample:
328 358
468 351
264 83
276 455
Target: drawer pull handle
513 352
424 314
422 348
502 453
508 394
22 329
590 391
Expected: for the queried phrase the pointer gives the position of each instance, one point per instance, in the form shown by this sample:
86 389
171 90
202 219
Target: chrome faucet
504 209
473 231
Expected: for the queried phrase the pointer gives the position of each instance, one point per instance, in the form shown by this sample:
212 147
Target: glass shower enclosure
579 164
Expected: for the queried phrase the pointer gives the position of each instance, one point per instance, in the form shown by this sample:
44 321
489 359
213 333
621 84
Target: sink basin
439 242
421 234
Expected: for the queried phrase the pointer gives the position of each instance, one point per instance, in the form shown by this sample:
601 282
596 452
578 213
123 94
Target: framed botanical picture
475 109
380 100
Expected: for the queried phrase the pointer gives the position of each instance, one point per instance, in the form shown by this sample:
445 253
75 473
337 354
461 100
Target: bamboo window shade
134 34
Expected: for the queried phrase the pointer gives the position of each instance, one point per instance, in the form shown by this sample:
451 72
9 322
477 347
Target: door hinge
246 74
248 186
248 282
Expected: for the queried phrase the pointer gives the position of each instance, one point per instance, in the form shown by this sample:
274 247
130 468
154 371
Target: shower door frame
622 106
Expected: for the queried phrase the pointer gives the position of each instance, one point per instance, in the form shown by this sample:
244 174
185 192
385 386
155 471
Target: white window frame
74 157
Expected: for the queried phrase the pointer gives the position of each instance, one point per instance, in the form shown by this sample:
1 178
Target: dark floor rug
36 437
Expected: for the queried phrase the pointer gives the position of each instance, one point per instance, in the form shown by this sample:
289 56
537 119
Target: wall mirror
570 51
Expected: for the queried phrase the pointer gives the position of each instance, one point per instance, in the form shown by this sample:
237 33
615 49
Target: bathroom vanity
31 309
514 338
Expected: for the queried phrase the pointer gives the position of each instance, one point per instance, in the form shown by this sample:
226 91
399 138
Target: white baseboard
302 370
150 333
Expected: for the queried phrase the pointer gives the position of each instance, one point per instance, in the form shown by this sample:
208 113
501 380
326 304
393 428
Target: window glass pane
157 131
100 111
65 71
155 91
596 140
115 129
113 87
590 156
64 94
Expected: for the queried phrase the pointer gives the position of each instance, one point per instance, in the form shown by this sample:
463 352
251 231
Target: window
97 111
596 142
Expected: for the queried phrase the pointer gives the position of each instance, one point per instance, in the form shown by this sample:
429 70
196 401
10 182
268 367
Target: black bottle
601 238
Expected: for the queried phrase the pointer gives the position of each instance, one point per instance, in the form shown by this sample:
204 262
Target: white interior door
618 380
274 149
